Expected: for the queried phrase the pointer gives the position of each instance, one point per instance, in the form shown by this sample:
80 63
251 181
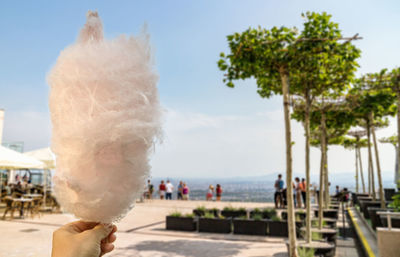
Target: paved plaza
142 233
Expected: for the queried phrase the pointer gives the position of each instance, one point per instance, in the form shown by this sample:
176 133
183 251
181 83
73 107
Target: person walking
185 192
303 188
219 192
170 189
161 190
210 193
180 188
278 196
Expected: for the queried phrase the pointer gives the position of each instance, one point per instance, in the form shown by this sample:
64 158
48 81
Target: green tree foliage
282 61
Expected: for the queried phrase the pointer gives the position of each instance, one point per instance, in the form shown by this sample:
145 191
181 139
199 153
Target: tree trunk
326 176
370 162
378 165
356 169
308 181
397 176
291 218
361 170
322 172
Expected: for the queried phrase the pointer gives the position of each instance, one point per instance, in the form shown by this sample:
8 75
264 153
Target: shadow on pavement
281 254
189 248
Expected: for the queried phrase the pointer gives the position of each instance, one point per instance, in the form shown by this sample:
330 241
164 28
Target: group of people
210 193
21 186
299 193
165 190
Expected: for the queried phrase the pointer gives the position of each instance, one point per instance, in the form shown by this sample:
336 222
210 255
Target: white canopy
10 159
44 155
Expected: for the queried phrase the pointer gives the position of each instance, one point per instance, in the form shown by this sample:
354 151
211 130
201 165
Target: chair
10 206
34 208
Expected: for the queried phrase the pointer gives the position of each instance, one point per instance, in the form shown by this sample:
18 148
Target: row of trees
314 70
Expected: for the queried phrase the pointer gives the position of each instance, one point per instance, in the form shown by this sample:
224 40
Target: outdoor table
22 201
33 195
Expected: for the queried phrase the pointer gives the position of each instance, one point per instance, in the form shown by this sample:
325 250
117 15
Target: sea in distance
251 189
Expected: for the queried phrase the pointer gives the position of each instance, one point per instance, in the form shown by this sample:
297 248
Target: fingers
112 238
80 226
101 231
106 248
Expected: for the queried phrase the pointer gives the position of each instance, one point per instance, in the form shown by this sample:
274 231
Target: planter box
215 225
359 199
233 214
280 228
321 248
389 193
354 197
201 213
300 215
333 214
250 227
330 223
334 207
375 219
395 222
365 204
264 214
181 223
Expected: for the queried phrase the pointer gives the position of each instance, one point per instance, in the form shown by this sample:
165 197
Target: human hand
83 239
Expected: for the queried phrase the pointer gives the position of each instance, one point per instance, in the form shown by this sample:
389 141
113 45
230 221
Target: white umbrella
10 159
44 155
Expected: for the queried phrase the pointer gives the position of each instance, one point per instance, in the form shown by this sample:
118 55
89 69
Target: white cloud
199 145
203 145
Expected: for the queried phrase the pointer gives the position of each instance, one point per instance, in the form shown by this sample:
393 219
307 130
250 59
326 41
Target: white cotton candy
105 114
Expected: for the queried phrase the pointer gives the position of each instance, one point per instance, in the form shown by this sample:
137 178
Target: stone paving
142 233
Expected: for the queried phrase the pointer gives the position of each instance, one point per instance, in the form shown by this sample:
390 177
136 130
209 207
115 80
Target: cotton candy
106 119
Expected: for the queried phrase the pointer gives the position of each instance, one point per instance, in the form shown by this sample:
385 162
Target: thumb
101 231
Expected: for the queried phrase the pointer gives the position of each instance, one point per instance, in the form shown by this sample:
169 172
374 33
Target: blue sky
211 130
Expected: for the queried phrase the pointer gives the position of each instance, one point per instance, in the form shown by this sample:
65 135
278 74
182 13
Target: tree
275 58
322 65
329 122
393 140
265 55
356 144
372 102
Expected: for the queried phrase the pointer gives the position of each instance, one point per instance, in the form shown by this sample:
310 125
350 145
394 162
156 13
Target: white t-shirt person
169 190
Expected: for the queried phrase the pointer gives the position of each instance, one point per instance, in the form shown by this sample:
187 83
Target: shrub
305 252
209 215
242 217
270 211
396 202
256 210
242 209
257 217
275 218
201 208
315 236
189 215
175 214
229 208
